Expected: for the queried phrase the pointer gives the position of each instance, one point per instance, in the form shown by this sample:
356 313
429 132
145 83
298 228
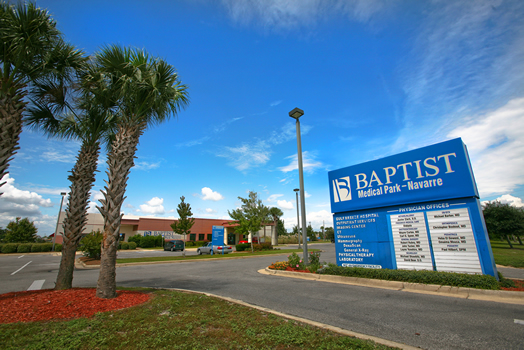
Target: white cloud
275 103
250 155
286 205
318 218
309 163
210 195
468 57
95 198
289 14
143 165
153 206
495 146
508 199
273 197
18 202
247 156
193 142
210 211
62 156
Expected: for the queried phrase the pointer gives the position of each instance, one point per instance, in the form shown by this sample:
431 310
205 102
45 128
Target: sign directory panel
422 212
217 235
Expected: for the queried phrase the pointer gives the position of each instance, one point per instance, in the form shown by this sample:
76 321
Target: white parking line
519 321
36 285
21 256
21 268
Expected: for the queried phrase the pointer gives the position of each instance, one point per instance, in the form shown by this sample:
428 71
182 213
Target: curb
305 320
500 296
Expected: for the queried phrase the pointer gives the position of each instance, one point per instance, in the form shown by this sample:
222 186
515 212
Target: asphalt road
426 321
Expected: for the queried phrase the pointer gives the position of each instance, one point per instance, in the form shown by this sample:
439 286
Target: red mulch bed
519 284
49 304
296 270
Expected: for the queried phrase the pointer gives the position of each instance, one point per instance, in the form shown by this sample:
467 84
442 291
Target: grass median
214 256
177 320
506 256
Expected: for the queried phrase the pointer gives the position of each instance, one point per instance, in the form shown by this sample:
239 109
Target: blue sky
374 78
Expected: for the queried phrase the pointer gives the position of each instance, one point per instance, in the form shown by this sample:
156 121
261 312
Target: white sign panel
411 242
453 242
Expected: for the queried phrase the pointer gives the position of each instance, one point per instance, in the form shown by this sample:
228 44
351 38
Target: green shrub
295 262
47 247
24 248
159 241
135 239
10 248
124 245
257 247
36 248
1 245
147 242
91 245
314 258
266 246
505 282
58 247
132 245
242 246
424 277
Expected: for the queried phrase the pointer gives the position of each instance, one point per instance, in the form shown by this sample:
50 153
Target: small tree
91 245
503 220
21 231
183 225
281 230
330 233
2 234
311 233
248 215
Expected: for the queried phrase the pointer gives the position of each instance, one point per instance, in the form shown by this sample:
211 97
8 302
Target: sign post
415 210
218 236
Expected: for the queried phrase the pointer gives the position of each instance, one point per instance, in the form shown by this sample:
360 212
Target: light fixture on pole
58 219
298 218
296 114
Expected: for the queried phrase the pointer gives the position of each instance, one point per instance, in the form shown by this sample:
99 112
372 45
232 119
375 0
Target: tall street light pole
58 219
296 114
298 219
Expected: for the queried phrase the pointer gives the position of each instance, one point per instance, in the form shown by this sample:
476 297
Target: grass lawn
506 256
215 256
176 320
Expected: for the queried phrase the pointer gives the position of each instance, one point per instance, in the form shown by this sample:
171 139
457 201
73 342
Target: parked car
174 245
255 241
216 249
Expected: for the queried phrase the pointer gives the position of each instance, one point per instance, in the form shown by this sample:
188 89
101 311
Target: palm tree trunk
11 109
82 179
120 161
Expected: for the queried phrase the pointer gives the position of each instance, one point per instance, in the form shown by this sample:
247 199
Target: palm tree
276 213
62 111
27 51
148 91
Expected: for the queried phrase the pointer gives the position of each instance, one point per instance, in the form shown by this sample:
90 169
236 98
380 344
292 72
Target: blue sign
436 172
218 235
415 210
